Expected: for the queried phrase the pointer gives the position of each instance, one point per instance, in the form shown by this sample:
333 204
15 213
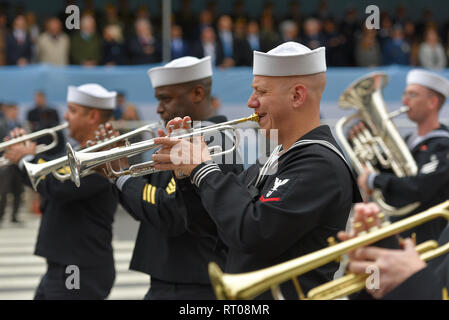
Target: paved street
20 270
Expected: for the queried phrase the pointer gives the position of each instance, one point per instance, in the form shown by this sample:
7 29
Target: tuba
376 140
251 284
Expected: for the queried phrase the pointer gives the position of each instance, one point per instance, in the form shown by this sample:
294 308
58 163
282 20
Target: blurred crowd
117 35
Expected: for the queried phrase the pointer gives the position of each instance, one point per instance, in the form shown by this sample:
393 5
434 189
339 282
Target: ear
198 93
94 117
298 95
434 103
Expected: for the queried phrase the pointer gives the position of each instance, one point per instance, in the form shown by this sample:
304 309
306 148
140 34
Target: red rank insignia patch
423 147
269 199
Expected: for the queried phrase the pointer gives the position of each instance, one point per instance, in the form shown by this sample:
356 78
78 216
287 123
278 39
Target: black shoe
15 220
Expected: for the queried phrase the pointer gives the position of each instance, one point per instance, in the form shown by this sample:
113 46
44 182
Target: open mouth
261 115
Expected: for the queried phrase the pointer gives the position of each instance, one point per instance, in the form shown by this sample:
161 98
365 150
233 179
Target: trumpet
86 161
33 136
36 172
251 284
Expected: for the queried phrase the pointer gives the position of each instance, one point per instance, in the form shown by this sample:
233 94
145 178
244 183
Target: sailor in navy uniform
165 249
301 195
425 94
75 234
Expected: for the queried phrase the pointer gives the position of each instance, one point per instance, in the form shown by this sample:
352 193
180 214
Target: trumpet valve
332 242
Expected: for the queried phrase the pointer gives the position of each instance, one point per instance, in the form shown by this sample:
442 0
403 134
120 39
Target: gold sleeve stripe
150 187
153 195
144 193
445 295
64 170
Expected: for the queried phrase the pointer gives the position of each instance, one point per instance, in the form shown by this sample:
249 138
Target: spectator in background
18 43
431 51
239 12
289 31
114 48
226 39
144 47
42 116
396 50
10 175
186 20
269 37
243 55
121 102
179 46
208 46
313 37
401 15
294 13
411 38
3 36
205 20
253 36
85 46
53 45
33 31
386 28
4 130
334 42
323 12
368 53
349 28
112 17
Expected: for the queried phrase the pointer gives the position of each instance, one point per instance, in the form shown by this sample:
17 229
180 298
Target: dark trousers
10 182
95 283
162 290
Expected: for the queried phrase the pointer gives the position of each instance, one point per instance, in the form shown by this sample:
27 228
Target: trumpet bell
74 164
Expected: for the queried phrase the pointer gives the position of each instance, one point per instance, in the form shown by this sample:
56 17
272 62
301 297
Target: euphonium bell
376 141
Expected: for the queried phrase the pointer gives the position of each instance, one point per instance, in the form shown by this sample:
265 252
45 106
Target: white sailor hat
92 95
289 59
429 80
181 70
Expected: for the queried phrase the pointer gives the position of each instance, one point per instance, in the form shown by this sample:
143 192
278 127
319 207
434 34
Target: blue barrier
232 86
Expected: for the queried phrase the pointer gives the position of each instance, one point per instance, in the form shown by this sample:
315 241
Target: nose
405 100
159 108
253 102
66 116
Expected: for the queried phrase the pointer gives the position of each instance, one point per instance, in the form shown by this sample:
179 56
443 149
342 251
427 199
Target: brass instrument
36 172
377 141
33 136
251 284
86 161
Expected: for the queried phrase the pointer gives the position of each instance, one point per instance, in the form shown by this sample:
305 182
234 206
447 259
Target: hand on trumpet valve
392 266
105 133
16 152
180 155
362 181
